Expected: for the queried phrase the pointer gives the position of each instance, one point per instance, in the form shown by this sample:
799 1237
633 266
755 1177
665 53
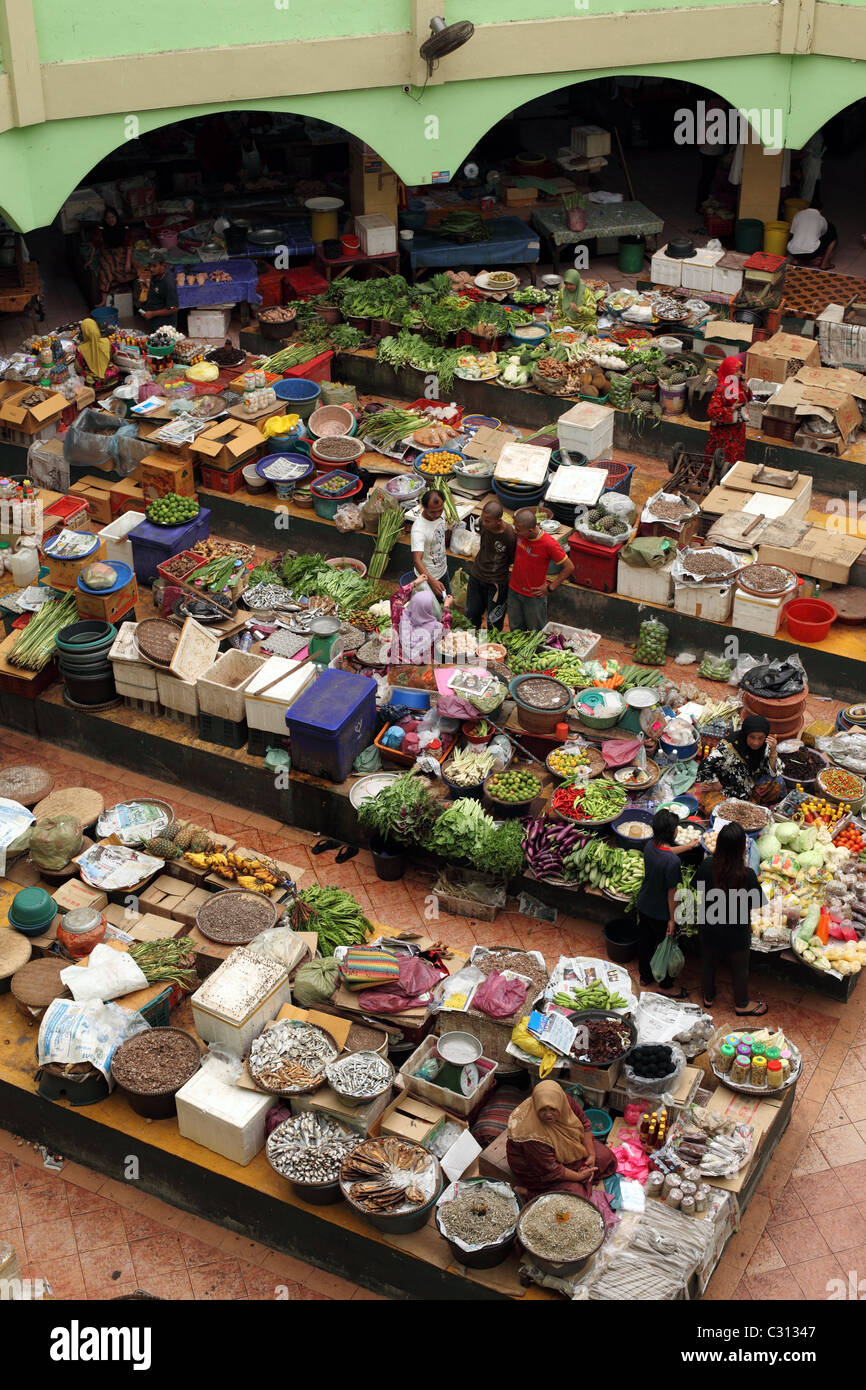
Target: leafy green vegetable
501 851
403 813
460 830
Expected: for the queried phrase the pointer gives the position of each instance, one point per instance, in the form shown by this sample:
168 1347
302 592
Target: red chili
566 802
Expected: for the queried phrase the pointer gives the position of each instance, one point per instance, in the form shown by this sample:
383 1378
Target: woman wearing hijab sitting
93 357
743 765
727 891
728 411
416 626
550 1146
114 258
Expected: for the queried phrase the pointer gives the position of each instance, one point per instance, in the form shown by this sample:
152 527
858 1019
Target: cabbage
786 831
806 838
768 845
811 859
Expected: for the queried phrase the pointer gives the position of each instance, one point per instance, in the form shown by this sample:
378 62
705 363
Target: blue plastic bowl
475 422
283 457
515 499
297 389
624 841
124 574
601 1122
428 477
412 699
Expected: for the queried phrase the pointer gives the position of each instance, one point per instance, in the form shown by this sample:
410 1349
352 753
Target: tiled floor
805 1226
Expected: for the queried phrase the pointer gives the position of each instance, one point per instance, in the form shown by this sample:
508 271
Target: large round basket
155 641
25 783
560 1267
745 1088
306 1088
485 1256
224 919
335 1070
155 1104
82 803
318 1194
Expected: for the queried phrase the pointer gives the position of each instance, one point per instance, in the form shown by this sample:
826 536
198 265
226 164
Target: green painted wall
105 28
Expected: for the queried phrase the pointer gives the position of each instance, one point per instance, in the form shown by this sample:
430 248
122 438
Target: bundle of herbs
403 813
460 831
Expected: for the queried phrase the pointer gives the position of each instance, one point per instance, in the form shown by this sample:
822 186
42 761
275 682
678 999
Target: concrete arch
422 132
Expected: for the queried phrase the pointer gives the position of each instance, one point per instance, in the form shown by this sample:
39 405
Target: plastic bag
522 1038
281 944
499 997
661 1088
71 1032
465 540
454 994
848 750
617 504
743 664
315 982
108 975
417 978
459 585
338 393
55 840
667 959
777 679
349 517
378 501
652 642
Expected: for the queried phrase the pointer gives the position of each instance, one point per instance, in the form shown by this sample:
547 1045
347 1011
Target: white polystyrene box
267 705
225 1118
238 999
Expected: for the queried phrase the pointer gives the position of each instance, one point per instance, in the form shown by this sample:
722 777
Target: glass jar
775 1075
80 930
758 1071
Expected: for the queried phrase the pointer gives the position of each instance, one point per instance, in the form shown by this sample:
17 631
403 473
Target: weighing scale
639 700
455 1063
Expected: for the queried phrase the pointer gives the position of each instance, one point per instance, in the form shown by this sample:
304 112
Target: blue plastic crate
153 544
331 723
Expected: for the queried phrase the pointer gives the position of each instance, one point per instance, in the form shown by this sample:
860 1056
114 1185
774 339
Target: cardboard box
73 893
736 334
150 927
741 478
759 1112
96 492
163 473
411 1118
820 555
31 419
781 356
227 444
372 183
63 574
173 898
126 496
108 607
596 1078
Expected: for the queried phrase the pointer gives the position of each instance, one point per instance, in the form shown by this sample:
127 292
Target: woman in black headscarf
743 765
114 257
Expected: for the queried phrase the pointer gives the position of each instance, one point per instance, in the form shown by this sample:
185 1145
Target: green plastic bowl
32 911
601 1122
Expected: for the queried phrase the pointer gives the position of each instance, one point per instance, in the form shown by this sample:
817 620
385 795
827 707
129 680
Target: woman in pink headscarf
729 410
415 627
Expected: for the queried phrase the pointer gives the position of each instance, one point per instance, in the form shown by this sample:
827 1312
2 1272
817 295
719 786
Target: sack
498 997
363 966
667 959
338 393
54 841
315 983
459 585
417 977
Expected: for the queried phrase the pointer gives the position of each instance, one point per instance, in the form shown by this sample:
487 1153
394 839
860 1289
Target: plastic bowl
597 721
302 393
601 1122
253 479
329 421
346 562
680 752
475 422
270 459
625 841
428 477
809 619
32 911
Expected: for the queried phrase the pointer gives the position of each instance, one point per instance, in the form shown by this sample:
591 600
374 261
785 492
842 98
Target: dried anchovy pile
478 1218
561 1227
361 1075
749 816
268 596
290 1056
309 1148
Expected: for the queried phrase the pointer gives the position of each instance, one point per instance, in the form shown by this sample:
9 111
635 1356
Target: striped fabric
365 967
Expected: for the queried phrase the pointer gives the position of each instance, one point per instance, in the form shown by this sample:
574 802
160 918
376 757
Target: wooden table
602 220
387 264
21 296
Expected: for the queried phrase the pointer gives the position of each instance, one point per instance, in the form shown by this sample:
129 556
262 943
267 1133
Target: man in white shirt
813 239
428 543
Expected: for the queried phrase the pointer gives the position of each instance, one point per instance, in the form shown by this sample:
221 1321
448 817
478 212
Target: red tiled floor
222 1280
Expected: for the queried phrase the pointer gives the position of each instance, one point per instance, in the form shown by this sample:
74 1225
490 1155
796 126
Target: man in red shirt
528 590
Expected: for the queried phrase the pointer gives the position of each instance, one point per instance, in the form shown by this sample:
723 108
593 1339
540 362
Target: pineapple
161 848
200 843
185 836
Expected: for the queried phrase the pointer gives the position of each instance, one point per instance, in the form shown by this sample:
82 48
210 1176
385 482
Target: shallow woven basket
304 1090
156 640
154 1033
25 783
213 918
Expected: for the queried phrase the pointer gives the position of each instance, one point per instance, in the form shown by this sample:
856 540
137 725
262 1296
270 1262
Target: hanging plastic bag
499 997
349 517
668 959
465 540
459 585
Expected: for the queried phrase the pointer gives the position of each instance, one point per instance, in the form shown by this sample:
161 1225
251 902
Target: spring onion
35 647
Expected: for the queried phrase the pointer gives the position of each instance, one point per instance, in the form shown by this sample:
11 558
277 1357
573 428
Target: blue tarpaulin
512 242
243 285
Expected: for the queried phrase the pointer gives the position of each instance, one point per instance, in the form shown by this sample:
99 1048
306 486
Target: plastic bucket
302 393
792 206
748 235
106 316
776 237
601 1122
673 398
631 254
809 619
621 939
389 864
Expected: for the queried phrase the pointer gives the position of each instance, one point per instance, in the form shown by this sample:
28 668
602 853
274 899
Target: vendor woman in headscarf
743 765
113 256
418 622
93 357
577 303
550 1147
728 411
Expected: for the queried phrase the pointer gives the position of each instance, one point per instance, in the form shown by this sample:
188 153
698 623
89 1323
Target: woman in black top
656 901
727 892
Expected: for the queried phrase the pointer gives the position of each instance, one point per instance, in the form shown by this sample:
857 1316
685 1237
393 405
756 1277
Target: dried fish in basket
390 1175
308 1150
290 1058
360 1077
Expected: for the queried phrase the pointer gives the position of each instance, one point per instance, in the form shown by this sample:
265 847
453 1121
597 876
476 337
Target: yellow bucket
324 218
776 237
792 206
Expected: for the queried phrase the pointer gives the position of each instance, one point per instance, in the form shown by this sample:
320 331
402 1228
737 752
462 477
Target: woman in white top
428 542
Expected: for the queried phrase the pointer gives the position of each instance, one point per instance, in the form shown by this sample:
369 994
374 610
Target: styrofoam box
212 322
710 601
118 550
643 583
726 281
215 696
377 234
238 999
587 429
590 140
175 693
136 679
698 270
755 614
224 1118
666 270
266 706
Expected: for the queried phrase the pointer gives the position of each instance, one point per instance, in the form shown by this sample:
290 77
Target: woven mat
81 802
807 292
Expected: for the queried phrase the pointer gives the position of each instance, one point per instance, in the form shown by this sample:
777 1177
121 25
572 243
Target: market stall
505 241
603 221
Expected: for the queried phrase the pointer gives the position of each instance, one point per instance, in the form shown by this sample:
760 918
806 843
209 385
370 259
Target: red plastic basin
809 619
